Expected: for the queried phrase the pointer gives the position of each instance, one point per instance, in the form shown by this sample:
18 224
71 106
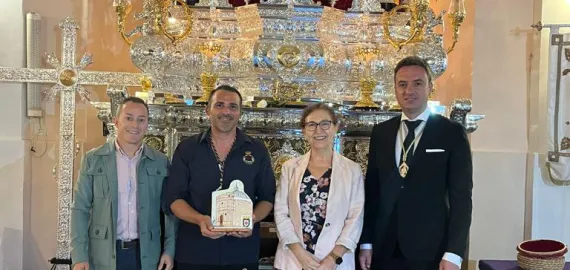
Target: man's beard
226 123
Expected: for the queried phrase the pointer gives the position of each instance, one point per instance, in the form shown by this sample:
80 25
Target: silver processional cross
68 78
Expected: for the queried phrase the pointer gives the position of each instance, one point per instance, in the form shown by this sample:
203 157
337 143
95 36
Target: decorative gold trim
456 18
122 9
386 27
154 142
208 82
418 10
367 86
289 55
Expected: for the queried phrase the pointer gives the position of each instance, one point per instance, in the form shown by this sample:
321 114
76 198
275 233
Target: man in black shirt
205 162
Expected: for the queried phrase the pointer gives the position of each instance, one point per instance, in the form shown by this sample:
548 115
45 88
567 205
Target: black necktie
412 125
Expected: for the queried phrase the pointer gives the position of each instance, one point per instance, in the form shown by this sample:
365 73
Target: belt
128 244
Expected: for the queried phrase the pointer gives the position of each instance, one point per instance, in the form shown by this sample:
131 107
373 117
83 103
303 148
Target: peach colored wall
97 35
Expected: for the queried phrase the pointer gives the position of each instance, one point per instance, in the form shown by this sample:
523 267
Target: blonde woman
319 202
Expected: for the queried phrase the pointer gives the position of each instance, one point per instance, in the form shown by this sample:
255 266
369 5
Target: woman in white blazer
319 201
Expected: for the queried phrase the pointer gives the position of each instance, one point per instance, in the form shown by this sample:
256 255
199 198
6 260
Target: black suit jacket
434 201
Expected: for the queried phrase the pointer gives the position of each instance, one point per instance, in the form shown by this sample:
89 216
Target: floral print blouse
313 198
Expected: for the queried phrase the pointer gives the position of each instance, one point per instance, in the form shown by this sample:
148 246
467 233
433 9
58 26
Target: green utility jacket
94 209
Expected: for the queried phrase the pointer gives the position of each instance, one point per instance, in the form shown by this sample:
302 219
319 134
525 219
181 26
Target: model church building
233 208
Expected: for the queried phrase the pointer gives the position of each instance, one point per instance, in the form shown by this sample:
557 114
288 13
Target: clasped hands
207 228
326 264
308 261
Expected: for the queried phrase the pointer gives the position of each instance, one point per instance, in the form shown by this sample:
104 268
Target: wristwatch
337 259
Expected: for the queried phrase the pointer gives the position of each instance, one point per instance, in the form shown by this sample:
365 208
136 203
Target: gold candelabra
123 8
173 19
419 11
367 83
456 16
250 26
175 29
207 78
367 47
160 15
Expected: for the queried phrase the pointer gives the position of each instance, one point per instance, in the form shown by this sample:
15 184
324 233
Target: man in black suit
418 183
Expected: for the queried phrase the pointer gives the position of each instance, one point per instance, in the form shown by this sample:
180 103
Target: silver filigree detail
32 75
66 144
68 72
330 72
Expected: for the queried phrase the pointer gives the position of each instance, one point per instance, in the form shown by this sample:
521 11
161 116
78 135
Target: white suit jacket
345 210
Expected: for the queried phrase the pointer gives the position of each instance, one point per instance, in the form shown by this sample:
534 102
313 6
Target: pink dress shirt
127 226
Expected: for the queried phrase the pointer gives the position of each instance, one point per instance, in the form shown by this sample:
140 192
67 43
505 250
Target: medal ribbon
221 163
405 156
404 166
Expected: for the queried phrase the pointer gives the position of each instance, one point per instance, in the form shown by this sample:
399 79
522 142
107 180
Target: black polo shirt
194 175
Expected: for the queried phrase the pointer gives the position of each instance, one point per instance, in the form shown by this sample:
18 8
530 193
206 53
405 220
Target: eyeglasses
312 126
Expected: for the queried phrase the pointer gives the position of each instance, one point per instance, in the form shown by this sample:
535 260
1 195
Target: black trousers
184 266
398 262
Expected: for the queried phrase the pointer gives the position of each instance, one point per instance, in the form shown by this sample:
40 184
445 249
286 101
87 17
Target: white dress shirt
402 133
127 226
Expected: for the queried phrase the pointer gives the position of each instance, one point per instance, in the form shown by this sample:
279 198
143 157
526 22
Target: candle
457 6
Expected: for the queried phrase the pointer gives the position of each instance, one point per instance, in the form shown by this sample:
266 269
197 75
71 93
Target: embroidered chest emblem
248 158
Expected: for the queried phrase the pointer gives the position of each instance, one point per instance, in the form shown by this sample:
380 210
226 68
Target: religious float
281 55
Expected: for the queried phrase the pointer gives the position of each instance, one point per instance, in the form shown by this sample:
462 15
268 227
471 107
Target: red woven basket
542 254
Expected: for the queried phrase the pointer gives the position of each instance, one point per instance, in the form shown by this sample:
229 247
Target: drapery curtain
558 115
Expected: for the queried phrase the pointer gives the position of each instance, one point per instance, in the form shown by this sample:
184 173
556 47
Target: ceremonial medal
404 169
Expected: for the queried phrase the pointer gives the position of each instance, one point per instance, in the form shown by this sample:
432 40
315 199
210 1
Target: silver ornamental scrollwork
356 149
279 128
460 111
357 5
67 140
180 121
117 93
